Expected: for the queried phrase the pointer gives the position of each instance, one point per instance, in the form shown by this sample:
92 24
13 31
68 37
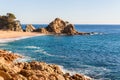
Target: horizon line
82 23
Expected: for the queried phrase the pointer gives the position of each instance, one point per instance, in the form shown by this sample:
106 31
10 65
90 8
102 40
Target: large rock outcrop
34 70
56 26
59 26
9 22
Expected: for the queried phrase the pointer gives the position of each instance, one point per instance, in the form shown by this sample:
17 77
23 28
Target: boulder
70 30
29 28
41 30
8 56
4 76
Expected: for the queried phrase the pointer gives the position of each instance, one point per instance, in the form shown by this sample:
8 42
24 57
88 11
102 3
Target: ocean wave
48 54
66 70
3 44
91 71
39 50
43 52
32 47
71 72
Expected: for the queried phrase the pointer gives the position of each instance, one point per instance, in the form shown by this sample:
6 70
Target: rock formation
16 27
42 30
8 56
59 26
29 28
9 22
34 70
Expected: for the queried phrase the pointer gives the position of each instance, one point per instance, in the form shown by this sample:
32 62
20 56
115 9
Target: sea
97 56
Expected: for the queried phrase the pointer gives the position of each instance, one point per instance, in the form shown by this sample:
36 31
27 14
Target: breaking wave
24 59
42 51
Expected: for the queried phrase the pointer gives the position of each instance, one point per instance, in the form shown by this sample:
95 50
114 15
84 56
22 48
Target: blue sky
74 11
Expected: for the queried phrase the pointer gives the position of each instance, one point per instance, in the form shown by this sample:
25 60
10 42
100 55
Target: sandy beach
14 34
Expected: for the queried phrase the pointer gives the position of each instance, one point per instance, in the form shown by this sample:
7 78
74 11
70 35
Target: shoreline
15 34
8 36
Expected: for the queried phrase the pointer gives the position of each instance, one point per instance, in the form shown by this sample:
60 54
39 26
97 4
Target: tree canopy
9 22
10 15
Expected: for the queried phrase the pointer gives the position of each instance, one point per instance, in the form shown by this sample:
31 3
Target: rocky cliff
10 70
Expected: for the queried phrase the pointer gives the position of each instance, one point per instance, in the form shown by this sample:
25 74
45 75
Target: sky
74 11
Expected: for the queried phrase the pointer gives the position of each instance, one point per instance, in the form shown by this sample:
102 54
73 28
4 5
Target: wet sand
14 34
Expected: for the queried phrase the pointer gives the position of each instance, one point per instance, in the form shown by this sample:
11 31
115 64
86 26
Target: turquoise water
97 56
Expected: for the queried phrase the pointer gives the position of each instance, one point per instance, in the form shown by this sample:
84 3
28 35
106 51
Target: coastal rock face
9 22
32 70
29 28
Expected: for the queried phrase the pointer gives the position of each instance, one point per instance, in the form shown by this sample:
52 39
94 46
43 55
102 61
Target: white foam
96 33
24 59
39 49
32 47
88 70
43 52
93 69
3 44
72 72
46 53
